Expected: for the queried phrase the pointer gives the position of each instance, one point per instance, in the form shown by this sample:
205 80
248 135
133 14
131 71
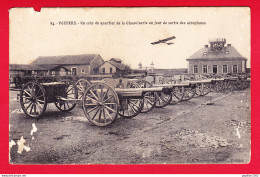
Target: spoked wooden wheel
149 102
224 85
227 85
132 84
198 89
232 85
189 93
217 86
67 92
100 104
149 97
33 99
206 88
177 95
131 107
81 86
162 99
241 84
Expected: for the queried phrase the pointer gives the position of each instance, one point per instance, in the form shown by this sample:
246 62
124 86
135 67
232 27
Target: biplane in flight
165 41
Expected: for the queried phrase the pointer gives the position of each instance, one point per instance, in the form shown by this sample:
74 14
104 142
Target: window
195 69
111 70
224 68
82 70
234 68
104 70
205 69
215 69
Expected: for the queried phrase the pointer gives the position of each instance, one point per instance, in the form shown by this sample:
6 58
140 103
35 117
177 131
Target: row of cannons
104 100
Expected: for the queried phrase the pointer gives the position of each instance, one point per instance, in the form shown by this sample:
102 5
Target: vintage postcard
150 85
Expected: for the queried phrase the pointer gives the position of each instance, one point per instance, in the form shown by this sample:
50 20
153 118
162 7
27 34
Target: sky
32 33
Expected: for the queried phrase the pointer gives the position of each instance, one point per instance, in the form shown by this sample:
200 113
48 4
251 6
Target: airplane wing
163 40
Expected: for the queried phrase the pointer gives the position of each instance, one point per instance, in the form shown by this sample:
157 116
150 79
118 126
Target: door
215 69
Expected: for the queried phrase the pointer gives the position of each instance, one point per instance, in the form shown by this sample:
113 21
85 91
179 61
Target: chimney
229 45
206 46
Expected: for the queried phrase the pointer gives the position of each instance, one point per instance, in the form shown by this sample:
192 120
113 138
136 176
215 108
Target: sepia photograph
135 85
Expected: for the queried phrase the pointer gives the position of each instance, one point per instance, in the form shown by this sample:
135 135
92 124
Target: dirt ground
215 128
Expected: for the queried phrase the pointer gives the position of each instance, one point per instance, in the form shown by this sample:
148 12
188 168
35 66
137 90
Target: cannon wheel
226 85
149 97
162 99
131 107
33 99
81 86
189 93
177 95
100 104
232 85
241 84
199 89
69 92
217 86
206 88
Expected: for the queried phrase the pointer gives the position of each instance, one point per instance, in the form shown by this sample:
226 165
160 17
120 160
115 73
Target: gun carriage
103 100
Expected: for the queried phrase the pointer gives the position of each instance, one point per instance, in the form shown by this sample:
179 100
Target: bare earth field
215 128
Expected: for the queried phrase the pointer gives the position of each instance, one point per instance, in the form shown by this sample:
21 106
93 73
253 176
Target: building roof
23 67
227 52
49 67
118 65
52 67
65 59
118 60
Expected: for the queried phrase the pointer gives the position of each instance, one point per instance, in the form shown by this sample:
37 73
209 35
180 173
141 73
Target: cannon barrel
222 79
172 85
140 91
201 81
